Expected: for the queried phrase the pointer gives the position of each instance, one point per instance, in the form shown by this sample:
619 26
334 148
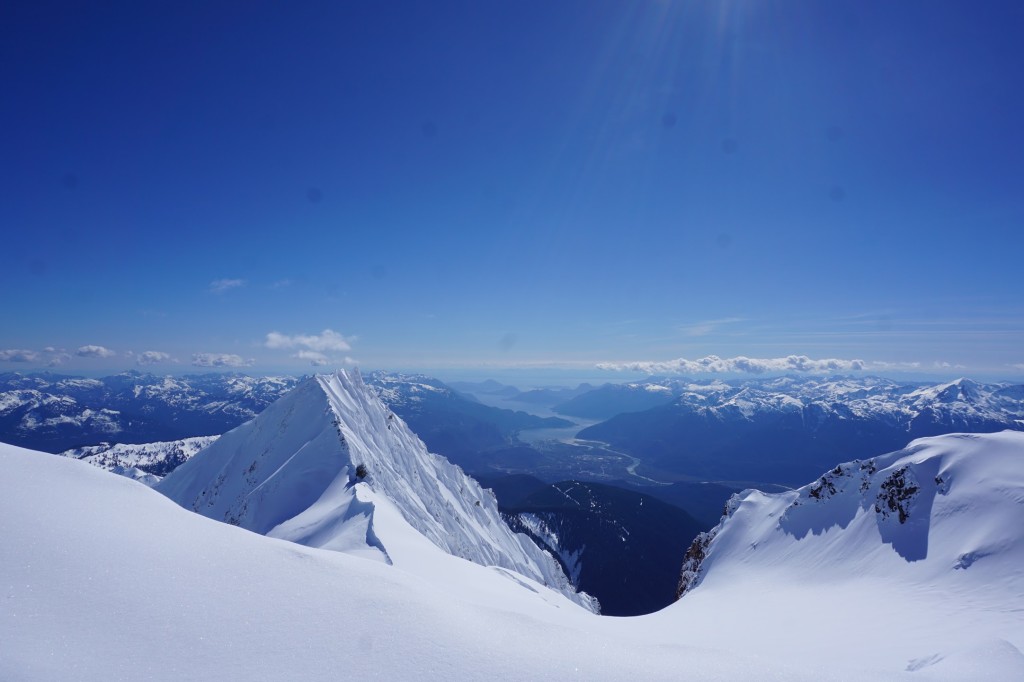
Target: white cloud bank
316 359
327 340
153 357
712 364
94 352
220 360
16 355
312 347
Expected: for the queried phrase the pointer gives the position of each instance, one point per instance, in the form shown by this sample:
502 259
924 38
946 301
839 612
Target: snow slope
292 473
925 544
103 579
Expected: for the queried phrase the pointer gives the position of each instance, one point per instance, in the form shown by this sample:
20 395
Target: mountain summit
329 465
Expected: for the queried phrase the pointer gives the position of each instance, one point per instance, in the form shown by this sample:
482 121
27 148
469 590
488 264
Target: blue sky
477 186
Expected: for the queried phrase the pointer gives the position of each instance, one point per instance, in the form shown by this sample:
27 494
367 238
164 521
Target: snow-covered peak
961 390
946 509
329 465
925 544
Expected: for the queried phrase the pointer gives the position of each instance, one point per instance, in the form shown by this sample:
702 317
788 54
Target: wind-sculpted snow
329 465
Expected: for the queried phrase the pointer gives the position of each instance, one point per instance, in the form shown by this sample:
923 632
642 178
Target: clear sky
453 186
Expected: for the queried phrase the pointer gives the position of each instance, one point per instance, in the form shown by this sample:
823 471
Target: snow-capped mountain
941 505
145 462
54 412
783 430
935 528
329 465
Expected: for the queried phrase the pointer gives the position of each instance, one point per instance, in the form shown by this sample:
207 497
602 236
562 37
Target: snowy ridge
329 465
932 532
927 511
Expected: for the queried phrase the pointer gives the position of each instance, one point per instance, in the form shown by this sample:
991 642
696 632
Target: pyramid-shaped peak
329 465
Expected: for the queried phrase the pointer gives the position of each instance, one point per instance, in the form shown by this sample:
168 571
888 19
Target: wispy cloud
16 355
327 340
712 364
882 364
220 360
92 351
1018 365
315 358
219 286
312 347
707 326
153 357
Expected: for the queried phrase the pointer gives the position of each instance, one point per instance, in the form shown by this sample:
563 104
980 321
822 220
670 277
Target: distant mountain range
545 397
53 412
145 462
449 422
782 430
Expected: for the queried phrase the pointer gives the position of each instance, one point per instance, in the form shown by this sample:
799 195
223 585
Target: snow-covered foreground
105 579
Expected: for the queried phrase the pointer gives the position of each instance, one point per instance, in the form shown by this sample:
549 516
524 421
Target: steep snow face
146 462
934 532
329 465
